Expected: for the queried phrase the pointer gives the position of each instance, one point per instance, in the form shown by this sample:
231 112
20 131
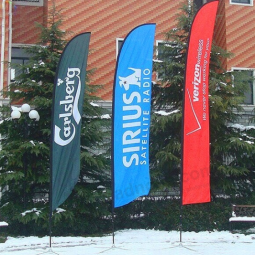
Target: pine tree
25 154
232 146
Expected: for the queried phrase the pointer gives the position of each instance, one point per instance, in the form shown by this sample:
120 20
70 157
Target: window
19 58
29 2
119 42
160 59
249 95
242 2
249 76
199 3
167 53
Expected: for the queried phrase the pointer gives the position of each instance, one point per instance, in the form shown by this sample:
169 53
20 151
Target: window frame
157 55
242 4
27 3
118 40
158 42
200 5
253 85
23 58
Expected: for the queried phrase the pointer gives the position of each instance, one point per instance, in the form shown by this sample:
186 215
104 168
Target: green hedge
145 213
164 214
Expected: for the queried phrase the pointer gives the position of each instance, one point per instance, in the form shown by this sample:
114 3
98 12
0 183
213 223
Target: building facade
110 21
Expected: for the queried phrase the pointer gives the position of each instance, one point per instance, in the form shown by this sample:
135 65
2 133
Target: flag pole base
50 251
180 245
113 247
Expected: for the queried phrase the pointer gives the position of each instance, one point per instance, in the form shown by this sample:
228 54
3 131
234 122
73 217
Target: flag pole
51 161
112 181
112 169
181 172
50 212
51 168
131 100
181 207
113 227
196 57
71 71
51 175
112 151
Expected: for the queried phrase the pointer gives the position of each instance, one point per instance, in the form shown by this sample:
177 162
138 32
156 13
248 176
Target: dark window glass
241 1
120 42
198 3
246 75
19 58
29 1
168 52
249 94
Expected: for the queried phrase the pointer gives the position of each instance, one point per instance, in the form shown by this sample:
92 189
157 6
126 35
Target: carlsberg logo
70 115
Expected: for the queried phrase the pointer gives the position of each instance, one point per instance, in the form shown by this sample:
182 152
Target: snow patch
164 113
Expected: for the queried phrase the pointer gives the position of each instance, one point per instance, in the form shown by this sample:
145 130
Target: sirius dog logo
70 115
132 79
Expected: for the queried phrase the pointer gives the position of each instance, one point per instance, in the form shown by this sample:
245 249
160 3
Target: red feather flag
195 144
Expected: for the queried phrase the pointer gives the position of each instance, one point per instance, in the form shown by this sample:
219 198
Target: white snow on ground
132 242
